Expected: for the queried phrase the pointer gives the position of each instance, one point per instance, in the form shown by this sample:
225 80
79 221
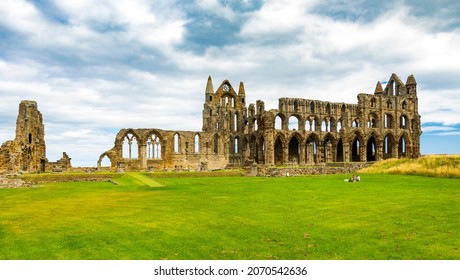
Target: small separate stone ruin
300 132
27 152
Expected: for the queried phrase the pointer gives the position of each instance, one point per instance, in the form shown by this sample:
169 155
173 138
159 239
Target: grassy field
320 217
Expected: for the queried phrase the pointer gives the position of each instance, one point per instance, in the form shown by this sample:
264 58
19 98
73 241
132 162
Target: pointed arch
388 145
177 144
293 123
294 149
278 122
355 147
371 149
402 146
278 149
311 148
197 143
339 156
130 147
153 147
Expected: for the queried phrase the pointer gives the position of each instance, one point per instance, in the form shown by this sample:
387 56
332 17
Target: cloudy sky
95 67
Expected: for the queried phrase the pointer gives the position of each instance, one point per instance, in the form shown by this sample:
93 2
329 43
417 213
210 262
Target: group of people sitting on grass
354 178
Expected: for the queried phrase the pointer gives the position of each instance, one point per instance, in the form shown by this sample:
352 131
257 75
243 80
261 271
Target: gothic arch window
105 161
278 122
30 138
197 143
389 104
293 123
312 107
235 122
324 125
339 125
403 121
388 121
176 143
153 147
328 109
130 146
373 102
404 105
296 105
236 142
402 146
355 123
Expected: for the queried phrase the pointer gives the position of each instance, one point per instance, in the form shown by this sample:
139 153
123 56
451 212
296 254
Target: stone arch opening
388 121
293 123
196 143
130 147
355 149
177 144
403 122
311 150
278 149
153 146
402 146
339 156
294 150
371 149
328 142
388 144
260 150
278 122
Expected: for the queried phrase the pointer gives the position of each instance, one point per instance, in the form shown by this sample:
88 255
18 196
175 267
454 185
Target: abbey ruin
299 132
27 152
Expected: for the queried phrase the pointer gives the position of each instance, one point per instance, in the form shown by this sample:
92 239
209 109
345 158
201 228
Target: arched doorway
279 151
340 151
371 149
294 150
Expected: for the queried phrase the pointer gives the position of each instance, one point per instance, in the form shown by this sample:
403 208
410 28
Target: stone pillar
379 152
346 152
310 154
328 152
302 155
143 156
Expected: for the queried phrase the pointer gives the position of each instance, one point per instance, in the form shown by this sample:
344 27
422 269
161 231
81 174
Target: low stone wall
7 182
310 170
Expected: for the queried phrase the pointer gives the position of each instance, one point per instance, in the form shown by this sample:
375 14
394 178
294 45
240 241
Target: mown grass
447 166
319 217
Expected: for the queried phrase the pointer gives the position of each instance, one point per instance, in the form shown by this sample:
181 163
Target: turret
411 85
209 90
241 93
378 88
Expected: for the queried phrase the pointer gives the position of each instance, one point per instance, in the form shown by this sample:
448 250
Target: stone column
143 156
310 154
328 152
346 151
302 155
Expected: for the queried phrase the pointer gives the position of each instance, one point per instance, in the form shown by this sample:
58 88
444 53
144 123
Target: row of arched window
153 148
329 125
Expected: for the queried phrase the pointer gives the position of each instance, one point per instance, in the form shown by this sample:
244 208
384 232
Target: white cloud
115 64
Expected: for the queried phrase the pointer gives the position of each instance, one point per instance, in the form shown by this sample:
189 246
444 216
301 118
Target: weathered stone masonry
300 132
27 152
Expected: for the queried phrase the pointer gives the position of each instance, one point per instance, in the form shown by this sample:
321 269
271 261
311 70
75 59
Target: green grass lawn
321 217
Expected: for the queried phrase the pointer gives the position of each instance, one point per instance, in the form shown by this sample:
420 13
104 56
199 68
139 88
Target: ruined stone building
27 152
385 124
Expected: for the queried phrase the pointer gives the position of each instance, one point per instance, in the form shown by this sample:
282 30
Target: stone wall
310 170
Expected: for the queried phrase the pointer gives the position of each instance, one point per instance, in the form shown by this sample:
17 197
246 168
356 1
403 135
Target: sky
95 67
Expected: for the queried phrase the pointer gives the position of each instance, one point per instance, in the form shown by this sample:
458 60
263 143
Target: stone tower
27 152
